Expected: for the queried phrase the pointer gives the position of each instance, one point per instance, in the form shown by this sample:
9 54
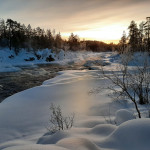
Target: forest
138 38
17 36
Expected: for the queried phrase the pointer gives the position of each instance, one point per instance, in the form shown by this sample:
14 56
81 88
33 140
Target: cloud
74 15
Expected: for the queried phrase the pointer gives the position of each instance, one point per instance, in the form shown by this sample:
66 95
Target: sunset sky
102 20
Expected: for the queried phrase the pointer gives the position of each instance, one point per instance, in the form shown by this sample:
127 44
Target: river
28 77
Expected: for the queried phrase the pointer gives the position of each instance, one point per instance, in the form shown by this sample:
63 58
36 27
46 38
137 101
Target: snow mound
77 144
123 115
91 122
131 135
103 129
54 138
36 147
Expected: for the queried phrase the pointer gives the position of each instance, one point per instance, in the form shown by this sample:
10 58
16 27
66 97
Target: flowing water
28 77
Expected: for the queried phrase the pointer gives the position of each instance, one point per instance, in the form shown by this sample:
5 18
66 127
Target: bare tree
131 84
58 121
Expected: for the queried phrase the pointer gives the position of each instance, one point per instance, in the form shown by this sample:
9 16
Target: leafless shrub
131 84
108 118
58 121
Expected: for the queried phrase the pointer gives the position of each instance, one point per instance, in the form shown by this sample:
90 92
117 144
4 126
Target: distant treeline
138 38
16 36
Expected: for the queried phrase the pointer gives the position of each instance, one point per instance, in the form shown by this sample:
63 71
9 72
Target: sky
103 20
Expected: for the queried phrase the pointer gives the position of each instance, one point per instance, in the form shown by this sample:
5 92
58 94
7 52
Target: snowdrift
133 134
77 144
24 116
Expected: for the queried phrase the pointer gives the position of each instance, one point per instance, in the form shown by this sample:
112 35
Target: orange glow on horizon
108 34
93 39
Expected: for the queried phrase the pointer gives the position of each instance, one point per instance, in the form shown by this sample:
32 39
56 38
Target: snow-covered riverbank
18 74
9 61
99 121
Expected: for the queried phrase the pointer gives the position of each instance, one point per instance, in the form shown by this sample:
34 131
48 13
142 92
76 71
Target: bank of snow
100 123
134 134
9 61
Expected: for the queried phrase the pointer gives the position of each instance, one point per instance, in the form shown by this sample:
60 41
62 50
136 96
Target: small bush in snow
58 121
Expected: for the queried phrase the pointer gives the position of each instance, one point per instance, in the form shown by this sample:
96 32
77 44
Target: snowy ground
10 62
100 123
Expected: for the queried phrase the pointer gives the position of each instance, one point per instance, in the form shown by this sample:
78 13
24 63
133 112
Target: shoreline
29 77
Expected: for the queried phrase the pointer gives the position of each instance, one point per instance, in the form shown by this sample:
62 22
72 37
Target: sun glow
110 33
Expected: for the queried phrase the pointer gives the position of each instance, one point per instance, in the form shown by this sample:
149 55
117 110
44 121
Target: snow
10 62
138 59
53 139
77 144
36 147
133 134
123 115
103 129
100 123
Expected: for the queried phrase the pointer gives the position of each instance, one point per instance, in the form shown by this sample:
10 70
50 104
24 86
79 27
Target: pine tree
50 39
133 36
141 36
123 43
58 41
3 40
147 34
74 42
9 24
